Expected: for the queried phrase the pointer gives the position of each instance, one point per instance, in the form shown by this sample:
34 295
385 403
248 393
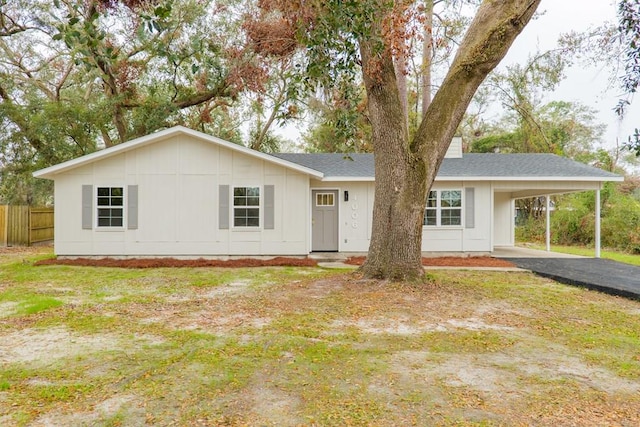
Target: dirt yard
302 346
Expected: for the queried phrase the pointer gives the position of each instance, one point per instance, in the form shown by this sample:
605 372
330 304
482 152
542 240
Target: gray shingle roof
471 165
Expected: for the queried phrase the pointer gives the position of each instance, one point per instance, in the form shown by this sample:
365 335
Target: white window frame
438 208
98 206
234 207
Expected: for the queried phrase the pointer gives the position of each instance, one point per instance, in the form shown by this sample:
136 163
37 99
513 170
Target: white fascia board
486 178
51 171
532 178
348 179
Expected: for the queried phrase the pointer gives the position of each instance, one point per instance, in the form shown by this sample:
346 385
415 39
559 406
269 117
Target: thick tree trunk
405 170
400 194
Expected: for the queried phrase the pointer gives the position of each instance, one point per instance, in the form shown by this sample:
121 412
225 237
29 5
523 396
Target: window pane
451 217
108 197
451 198
325 199
432 200
243 216
429 217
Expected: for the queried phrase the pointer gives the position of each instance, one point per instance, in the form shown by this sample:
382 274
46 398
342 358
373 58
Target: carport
554 177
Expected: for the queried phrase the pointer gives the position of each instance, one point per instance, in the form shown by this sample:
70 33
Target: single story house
183 193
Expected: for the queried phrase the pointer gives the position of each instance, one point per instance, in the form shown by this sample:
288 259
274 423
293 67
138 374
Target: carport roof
476 166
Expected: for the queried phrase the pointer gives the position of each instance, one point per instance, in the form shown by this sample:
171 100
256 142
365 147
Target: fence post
4 216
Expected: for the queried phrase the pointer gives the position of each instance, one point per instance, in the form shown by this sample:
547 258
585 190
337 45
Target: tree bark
427 56
400 194
405 170
401 80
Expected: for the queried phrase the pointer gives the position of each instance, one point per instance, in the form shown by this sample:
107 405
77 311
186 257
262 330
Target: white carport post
598 222
548 222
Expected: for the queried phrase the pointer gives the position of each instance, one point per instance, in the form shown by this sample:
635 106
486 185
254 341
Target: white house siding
356 217
461 238
178 183
478 237
503 218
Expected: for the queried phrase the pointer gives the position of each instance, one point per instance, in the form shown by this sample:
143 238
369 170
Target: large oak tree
374 34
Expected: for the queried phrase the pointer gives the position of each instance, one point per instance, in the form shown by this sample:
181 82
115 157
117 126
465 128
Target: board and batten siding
178 181
470 236
356 216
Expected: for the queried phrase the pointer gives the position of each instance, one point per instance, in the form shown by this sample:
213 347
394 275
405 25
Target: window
325 199
246 206
110 206
444 208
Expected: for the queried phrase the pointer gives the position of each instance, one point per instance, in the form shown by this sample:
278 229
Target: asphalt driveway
594 273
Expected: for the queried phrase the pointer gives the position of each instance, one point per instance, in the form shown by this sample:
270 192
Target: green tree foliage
564 128
528 123
76 75
629 34
339 121
573 220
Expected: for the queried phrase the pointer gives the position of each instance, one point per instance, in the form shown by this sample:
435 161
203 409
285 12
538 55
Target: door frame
312 203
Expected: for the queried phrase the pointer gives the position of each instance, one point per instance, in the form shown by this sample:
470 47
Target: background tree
629 34
339 120
76 75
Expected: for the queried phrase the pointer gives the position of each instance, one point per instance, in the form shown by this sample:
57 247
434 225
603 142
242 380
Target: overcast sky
590 86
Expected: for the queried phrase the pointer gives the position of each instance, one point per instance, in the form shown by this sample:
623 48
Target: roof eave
487 178
531 178
348 179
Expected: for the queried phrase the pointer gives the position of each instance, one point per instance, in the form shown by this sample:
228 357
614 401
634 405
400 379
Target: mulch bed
447 261
450 261
172 262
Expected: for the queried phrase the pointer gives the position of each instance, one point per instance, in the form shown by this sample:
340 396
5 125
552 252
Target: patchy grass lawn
307 346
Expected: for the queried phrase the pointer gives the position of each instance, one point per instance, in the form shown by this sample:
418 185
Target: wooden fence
25 225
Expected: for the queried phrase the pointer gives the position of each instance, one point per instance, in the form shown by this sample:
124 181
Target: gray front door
324 220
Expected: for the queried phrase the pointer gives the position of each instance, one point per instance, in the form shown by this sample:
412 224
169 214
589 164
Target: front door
324 220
